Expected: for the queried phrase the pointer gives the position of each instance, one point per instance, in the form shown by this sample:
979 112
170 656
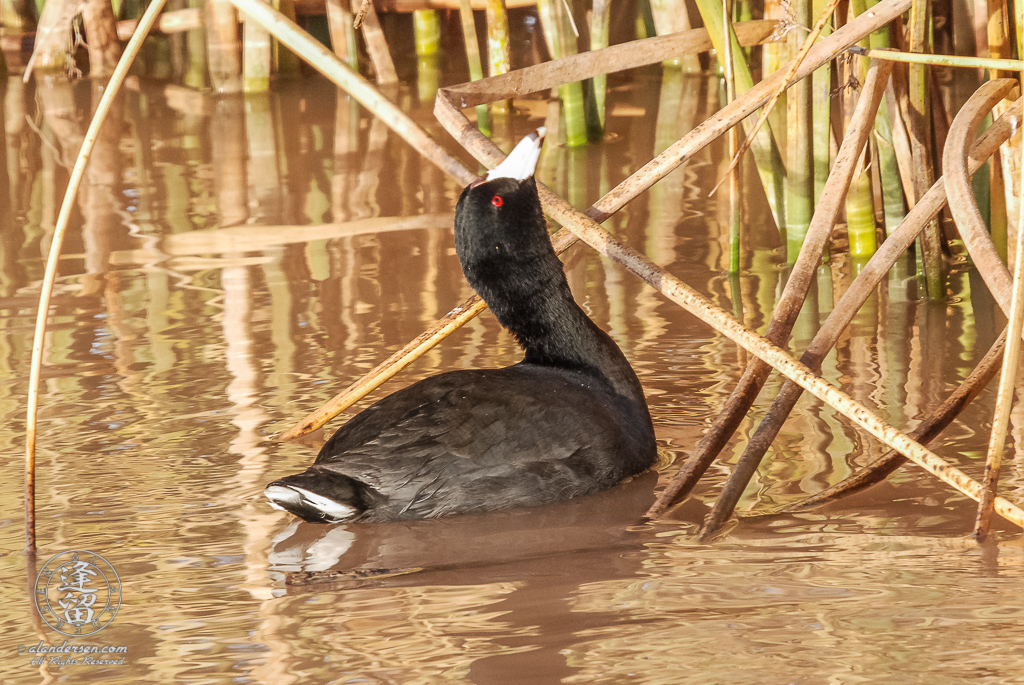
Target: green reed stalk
821 120
893 204
645 20
800 168
735 206
476 71
498 51
426 29
561 42
920 134
767 157
860 200
286 62
598 85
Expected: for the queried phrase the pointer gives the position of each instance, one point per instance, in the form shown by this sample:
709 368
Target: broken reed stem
938 60
364 7
785 83
50 275
926 431
1007 380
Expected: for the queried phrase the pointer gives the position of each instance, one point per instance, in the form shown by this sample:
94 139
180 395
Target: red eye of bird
497 201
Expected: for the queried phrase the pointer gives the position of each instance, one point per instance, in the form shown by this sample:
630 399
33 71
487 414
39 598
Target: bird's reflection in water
490 539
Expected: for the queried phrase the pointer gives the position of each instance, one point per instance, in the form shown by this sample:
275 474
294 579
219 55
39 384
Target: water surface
233 263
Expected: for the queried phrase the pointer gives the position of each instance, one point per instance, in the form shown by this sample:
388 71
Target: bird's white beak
522 161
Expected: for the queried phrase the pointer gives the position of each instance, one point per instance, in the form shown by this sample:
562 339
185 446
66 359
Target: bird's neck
554 331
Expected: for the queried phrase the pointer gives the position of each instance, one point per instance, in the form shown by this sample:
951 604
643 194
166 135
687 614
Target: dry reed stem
1007 380
792 299
962 204
787 81
926 431
938 60
50 275
174 21
364 7
638 53
376 43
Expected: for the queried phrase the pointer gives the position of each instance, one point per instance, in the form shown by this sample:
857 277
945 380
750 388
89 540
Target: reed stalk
476 71
498 49
799 143
893 205
919 127
343 34
860 201
821 99
256 58
426 29
1008 373
598 85
15 16
224 52
960 61
103 45
561 42
426 26
52 259
671 16
376 45
735 205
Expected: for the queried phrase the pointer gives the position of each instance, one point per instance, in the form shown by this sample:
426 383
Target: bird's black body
568 420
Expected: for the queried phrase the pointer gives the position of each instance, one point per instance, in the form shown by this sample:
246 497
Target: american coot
568 420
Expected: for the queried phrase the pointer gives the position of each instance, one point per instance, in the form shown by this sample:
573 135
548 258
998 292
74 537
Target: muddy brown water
233 263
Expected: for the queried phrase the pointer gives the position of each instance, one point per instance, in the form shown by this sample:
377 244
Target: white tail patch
281 496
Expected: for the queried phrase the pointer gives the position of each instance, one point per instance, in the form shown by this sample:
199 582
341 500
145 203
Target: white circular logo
78 593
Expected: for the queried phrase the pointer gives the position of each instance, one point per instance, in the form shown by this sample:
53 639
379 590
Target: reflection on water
233 263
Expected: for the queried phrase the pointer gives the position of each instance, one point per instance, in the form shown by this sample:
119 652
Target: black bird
568 420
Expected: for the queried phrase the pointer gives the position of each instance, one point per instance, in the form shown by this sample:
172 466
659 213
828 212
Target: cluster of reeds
834 149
